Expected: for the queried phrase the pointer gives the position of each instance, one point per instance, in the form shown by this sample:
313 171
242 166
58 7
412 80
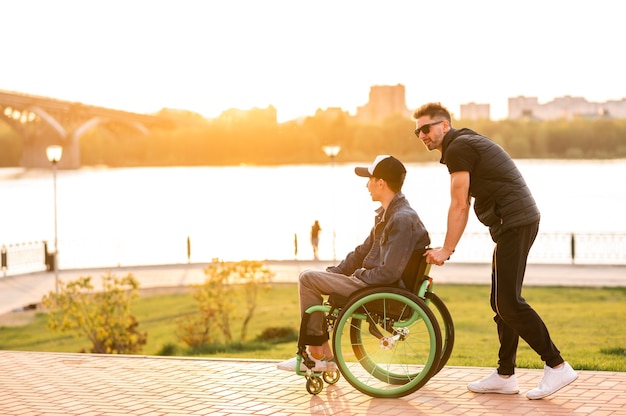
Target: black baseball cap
384 167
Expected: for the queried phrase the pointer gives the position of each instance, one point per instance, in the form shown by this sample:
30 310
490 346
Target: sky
299 56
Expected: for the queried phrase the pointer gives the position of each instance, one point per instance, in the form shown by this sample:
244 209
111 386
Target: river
132 216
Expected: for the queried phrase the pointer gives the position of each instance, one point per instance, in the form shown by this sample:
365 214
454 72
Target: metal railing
549 248
25 257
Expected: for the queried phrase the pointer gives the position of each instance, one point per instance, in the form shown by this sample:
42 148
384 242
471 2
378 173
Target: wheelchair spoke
396 358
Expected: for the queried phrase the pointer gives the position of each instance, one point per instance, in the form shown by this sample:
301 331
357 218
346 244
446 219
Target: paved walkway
18 291
84 384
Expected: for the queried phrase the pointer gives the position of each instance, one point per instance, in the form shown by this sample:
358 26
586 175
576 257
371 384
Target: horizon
454 114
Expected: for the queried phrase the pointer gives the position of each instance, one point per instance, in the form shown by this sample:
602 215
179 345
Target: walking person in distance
315 238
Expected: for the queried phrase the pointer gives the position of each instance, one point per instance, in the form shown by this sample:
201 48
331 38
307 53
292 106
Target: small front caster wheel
314 385
331 377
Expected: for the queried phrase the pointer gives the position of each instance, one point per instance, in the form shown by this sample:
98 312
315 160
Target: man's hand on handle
438 255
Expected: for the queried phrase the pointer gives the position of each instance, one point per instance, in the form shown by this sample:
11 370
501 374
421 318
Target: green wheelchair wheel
387 342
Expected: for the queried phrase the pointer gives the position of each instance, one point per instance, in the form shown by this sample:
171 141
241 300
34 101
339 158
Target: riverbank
18 292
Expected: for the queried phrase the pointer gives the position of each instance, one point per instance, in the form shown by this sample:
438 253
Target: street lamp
332 151
54 154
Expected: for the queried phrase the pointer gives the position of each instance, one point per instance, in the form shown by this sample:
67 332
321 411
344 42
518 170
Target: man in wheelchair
380 260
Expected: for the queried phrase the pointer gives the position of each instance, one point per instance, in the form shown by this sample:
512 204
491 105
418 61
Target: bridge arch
42 121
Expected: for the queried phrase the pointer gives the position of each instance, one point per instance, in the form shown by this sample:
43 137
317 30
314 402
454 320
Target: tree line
258 140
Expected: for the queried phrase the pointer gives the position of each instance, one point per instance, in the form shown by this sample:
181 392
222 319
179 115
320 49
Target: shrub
278 335
102 316
168 350
226 288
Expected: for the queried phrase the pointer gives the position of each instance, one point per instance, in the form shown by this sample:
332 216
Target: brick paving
36 383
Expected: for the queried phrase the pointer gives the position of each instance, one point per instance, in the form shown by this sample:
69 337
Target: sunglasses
426 128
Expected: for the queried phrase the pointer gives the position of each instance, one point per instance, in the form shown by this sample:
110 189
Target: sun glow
208 57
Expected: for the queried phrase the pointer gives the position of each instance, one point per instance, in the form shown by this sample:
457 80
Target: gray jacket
384 255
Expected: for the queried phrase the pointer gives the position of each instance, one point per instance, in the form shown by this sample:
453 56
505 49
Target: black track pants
514 317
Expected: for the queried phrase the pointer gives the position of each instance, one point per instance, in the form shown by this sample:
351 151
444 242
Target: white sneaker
320 365
554 379
495 384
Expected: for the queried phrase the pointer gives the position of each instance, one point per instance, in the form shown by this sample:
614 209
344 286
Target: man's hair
395 186
433 110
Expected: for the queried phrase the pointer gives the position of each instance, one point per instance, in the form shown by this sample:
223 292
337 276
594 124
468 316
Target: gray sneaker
494 383
554 379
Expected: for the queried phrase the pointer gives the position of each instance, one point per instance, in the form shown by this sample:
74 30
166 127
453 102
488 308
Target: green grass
586 324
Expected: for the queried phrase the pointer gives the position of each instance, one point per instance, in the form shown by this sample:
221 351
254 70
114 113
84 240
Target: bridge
43 121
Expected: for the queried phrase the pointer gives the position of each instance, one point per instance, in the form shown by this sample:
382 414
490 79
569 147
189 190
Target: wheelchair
388 341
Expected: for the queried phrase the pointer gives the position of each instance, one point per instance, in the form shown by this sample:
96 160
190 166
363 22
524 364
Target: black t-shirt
461 157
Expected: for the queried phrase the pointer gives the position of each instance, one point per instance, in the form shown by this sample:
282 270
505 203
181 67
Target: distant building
332 113
257 115
474 111
384 101
566 107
